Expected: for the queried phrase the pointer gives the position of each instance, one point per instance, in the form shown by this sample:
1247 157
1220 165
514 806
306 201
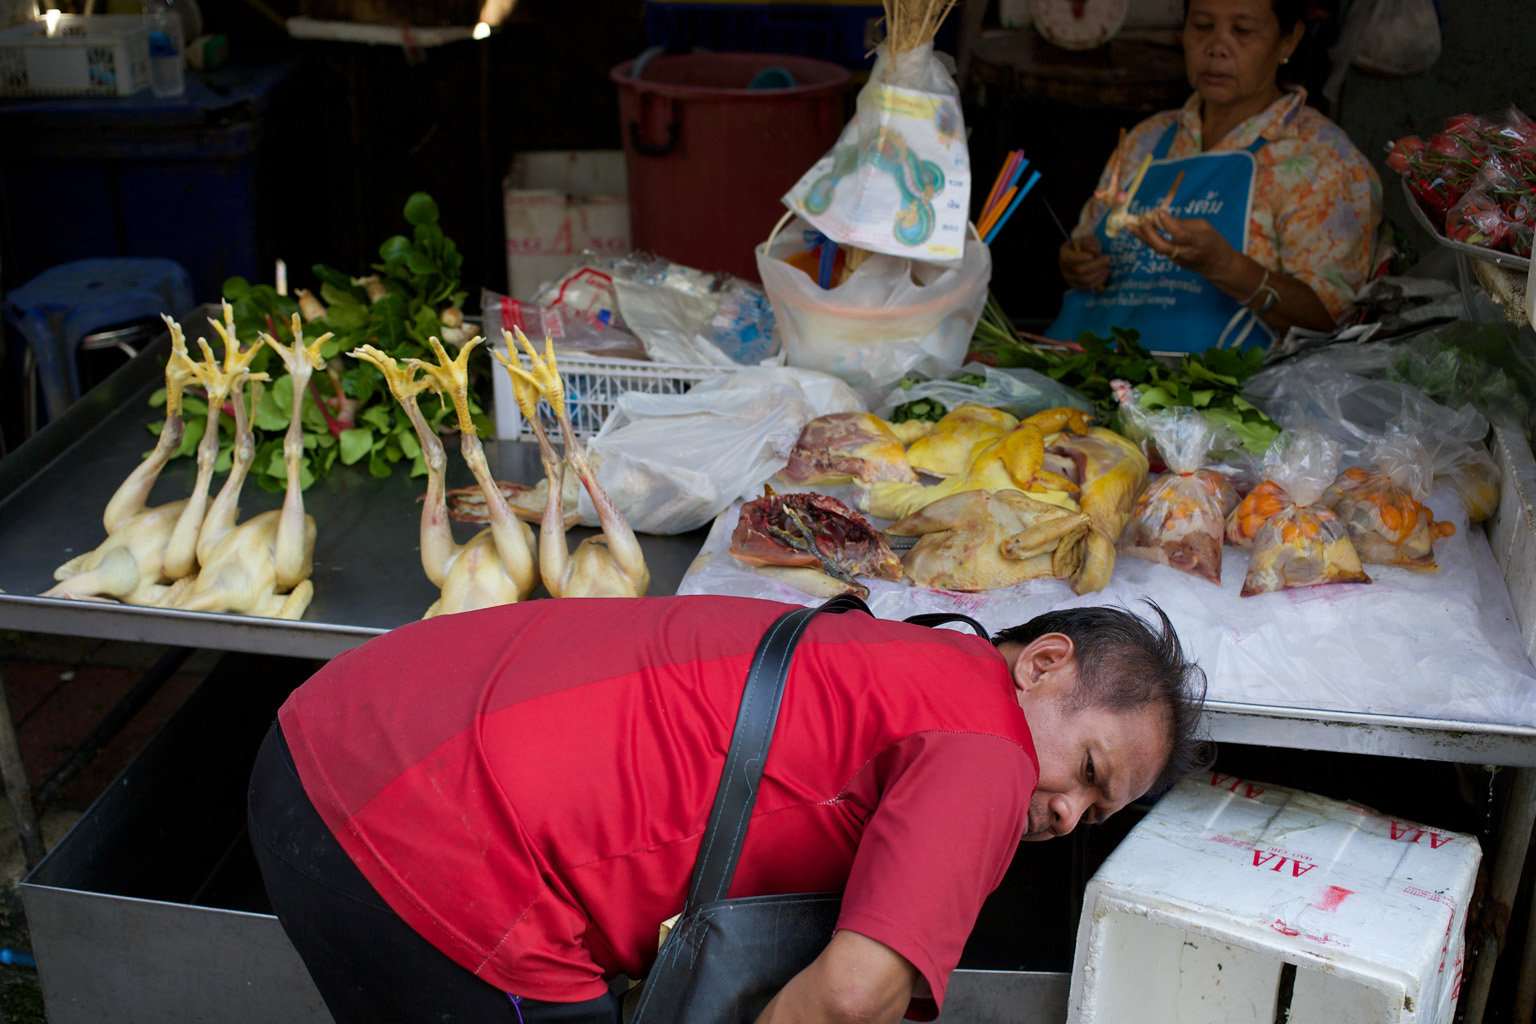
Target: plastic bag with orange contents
1383 508
1296 541
1180 518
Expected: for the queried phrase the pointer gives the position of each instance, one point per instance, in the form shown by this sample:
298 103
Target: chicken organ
1386 523
981 540
608 566
844 446
815 531
1179 521
1301 546
261 566
129 564
946 450
496 566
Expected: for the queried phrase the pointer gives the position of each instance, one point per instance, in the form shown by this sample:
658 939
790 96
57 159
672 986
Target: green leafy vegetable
348 414
1211 381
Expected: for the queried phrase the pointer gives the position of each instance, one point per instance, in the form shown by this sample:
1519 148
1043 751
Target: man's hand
854 979
1083 264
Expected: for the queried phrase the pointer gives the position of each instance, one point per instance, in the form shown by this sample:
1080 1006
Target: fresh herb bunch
349 415
929 410
1211 381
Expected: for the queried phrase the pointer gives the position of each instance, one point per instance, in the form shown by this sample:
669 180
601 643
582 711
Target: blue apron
1175 309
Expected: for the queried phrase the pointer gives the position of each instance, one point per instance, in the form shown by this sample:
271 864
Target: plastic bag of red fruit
1494 156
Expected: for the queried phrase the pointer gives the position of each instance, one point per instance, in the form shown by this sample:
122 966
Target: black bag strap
939 618
737 793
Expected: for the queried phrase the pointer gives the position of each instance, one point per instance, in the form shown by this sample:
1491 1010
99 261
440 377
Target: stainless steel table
368 579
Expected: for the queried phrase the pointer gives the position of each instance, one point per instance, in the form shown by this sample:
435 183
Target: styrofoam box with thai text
1239 901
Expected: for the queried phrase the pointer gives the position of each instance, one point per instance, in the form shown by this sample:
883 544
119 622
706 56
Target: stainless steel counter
368 577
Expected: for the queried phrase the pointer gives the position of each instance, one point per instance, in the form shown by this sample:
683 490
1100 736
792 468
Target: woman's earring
1285 60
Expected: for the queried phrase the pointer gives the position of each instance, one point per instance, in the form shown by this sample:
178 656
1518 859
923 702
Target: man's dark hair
1123 663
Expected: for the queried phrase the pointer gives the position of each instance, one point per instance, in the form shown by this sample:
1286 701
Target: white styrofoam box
87 55
1236 901
557 204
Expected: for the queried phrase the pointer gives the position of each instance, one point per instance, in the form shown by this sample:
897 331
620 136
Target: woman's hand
1083 264
1190 243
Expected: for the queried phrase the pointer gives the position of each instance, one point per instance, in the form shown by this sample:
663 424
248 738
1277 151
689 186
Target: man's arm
854 979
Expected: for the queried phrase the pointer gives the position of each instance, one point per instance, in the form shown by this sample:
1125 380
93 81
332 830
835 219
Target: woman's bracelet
1271 296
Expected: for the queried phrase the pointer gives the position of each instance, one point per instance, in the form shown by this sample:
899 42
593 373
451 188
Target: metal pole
1504 879
1525 988
17 791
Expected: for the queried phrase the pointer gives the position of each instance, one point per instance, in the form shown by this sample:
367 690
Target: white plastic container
1235 901
87 55
557 204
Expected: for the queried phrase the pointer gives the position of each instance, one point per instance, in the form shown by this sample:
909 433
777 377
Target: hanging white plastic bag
1400 37
898 181
671 463
890 316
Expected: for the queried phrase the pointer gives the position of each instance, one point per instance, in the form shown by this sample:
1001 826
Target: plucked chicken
946 450
981 540
129 564
261 566
497 565
845 446
608 566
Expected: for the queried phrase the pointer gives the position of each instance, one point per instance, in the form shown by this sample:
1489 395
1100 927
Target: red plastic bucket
709 158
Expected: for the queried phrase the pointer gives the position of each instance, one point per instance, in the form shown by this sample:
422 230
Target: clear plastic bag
1383 508
1401 37
1017 391
898 179
890 317
1180 519
1303 544
572 331
671 463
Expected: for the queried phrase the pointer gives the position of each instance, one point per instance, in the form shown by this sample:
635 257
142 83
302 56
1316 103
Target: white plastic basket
88 55
592 386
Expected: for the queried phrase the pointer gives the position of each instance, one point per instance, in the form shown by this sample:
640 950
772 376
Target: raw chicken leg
608 566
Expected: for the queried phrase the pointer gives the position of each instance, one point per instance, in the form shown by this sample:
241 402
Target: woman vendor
1245 206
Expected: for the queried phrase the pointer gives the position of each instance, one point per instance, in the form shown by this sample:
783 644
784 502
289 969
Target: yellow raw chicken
981 540
945 451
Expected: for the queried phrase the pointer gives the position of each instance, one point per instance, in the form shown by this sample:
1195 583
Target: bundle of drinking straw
911 23
1005 197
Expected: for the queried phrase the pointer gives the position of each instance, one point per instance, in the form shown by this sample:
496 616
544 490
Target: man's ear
1038 658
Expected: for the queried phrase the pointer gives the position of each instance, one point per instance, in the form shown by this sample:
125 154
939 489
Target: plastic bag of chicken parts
1180 519
1296 541
1383 508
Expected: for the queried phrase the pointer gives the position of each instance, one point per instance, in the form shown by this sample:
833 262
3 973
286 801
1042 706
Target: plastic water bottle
167 76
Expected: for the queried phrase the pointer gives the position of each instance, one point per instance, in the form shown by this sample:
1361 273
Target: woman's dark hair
1309 65
1124 663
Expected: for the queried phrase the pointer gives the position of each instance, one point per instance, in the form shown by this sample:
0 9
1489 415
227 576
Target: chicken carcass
608 566
497 565
814 532
261 566
845 446
982 540
1012 462
129 564
946 450
1111 472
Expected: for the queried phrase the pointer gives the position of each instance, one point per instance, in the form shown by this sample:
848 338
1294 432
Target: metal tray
1477 252
368 576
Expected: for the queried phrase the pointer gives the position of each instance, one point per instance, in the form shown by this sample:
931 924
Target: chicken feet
608 566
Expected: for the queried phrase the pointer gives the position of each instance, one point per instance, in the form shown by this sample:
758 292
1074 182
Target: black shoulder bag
725 959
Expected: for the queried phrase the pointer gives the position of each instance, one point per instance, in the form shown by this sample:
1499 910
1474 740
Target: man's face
1093 761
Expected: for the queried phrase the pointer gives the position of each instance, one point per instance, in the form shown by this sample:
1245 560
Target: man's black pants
369 965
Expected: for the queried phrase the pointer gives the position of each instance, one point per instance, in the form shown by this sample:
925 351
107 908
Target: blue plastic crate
841 33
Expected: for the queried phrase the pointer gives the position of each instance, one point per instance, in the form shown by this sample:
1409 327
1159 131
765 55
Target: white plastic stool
1236 901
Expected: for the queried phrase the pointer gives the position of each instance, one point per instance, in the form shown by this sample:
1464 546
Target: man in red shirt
487 816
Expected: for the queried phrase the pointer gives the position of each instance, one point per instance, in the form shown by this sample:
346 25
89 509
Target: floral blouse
1316 199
